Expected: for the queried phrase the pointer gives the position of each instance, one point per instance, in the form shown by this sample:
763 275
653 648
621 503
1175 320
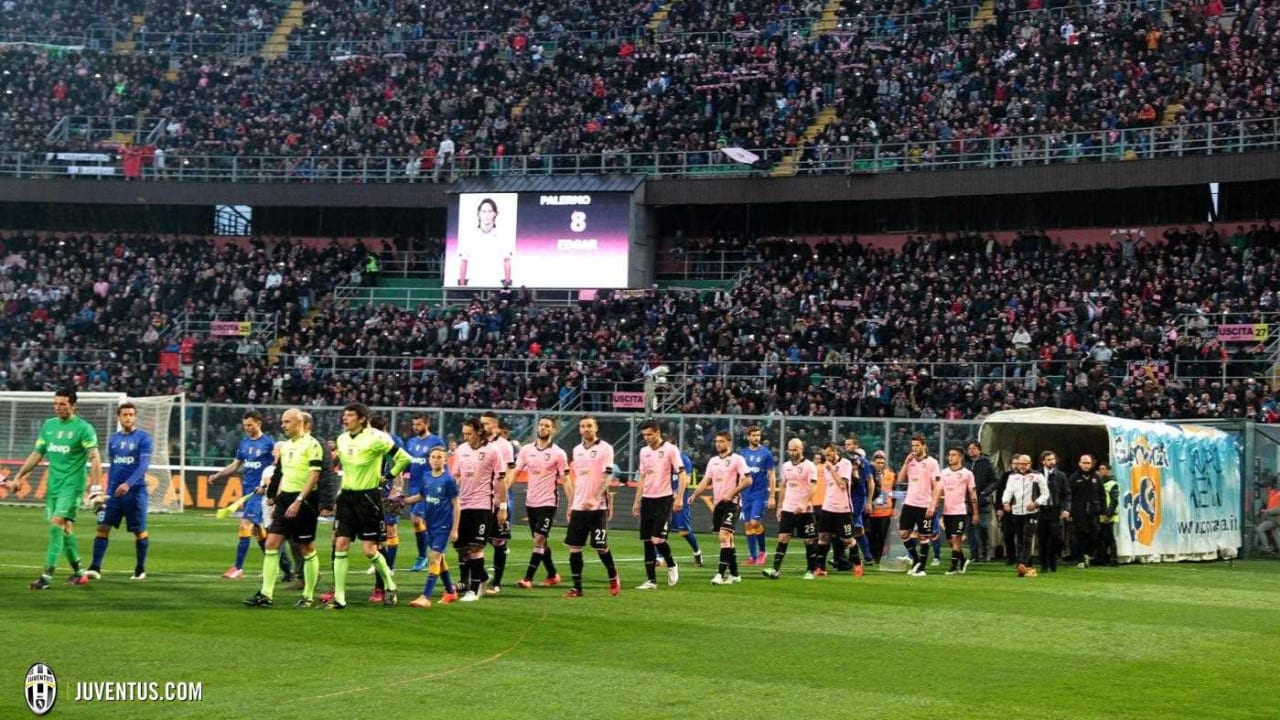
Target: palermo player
960 499
591 505
795 512
546 465
475 465
128 455
727 476
837 507
918 507
500 528
439 495
656 500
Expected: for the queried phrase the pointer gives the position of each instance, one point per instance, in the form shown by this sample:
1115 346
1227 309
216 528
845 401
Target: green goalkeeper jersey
66 445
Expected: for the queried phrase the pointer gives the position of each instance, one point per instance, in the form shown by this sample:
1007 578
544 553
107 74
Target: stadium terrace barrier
1190 140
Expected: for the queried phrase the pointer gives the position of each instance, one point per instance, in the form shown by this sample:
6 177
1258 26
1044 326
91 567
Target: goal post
161 416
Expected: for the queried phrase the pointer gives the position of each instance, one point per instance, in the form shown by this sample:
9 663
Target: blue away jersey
759 462
128 454
254 457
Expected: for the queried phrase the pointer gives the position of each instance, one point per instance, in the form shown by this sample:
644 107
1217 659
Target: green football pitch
1138 642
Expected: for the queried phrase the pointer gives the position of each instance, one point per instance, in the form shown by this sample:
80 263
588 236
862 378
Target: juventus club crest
41 689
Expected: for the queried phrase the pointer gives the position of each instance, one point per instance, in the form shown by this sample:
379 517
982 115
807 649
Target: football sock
478 575
57 540
141 544
340 562
464 570
855 554
499 563
310 574
910 545
779 552
384 572
546 562
664 549
447 579
760 546
420 539
724 562
393 549
72 551
606 557
242 549
535 561
821 552
751 544
575 569
693 542
270 571
650 560
808 557
99 551
733 561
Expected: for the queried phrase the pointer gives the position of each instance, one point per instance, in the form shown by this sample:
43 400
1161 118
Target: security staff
1085 507
1053 512
1109 516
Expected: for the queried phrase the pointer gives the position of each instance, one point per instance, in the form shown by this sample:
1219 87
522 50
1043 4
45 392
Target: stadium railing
1189 140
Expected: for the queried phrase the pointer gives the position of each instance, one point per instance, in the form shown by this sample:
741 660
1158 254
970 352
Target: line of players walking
835 501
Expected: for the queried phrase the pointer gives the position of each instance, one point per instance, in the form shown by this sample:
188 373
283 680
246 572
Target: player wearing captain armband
69 444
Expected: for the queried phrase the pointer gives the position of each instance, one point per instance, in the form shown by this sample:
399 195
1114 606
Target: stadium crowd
834 329
1081 74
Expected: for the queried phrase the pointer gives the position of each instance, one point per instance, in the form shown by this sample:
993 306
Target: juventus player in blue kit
419 446
439 495
758 497
129 455
252 457
682 521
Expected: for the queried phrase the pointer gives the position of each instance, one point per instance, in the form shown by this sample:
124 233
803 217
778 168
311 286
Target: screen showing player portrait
538 240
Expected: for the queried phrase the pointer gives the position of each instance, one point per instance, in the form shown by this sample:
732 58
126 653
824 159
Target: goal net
23 413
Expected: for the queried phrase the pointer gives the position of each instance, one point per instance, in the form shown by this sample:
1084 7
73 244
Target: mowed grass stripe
1136 642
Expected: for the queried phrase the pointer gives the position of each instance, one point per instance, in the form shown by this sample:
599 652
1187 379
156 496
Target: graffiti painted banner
1179 490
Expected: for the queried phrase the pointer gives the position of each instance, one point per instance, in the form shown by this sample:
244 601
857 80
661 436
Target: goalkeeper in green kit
68 443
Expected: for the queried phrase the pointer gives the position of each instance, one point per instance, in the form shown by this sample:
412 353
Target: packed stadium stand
831 329
812 88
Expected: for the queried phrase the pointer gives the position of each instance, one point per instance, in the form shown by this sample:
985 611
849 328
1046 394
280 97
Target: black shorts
912 519
655 517
955 525
839 524
360 514
500 530
798 525
541 520
725 516
588 527
299 528
473 527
